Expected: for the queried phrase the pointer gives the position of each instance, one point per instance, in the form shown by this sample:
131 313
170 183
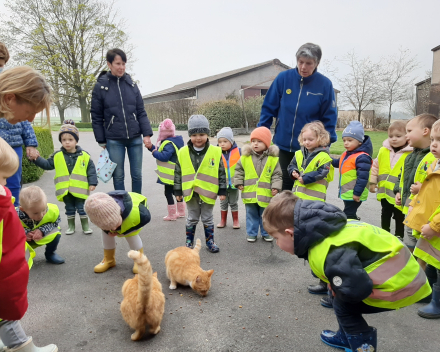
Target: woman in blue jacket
296 97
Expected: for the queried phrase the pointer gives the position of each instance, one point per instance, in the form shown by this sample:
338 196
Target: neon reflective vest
230 165
165 170
51 216
257 189
428 250
419 176
76 183
134 217
205 180
348 177
316 190
398 280
387 177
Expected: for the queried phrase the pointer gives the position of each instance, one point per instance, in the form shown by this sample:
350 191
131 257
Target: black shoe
319 289
327 302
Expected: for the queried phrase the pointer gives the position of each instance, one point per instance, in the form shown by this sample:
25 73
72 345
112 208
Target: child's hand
415 188
356 198
222 197
428 233
240 187
179 198
92 188
29 236
398 199
300 179
410 208
295 174
274 192
38 235
113 234
372 188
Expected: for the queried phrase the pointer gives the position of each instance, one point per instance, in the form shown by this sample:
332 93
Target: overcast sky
179 41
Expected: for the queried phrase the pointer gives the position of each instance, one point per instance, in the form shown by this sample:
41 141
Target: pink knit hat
166 129
103 211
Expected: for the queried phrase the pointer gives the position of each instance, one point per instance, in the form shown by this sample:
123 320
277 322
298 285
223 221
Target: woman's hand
147 142
32 153
92 188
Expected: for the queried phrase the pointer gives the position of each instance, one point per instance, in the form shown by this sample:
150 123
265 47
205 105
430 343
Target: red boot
236 224
222 222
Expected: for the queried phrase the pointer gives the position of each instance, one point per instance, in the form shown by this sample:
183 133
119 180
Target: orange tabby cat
143 302
183 267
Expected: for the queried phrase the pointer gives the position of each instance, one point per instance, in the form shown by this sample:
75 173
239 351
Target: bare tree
409 104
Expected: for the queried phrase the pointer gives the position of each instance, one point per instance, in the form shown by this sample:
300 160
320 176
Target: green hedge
179 126
222 113
31 172
83 124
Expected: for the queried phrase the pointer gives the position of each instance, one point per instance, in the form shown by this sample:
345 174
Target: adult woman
119 119
296 97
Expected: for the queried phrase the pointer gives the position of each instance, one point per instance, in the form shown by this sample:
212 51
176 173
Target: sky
179 41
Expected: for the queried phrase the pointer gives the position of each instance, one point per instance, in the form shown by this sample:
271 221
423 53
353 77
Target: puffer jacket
259 161
312 176
19 134
117 109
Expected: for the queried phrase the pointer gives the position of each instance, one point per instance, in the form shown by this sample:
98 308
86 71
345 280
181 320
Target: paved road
78 310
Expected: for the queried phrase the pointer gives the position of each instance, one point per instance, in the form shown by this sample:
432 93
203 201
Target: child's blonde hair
397 126
32 195
278 215
321 133
9 161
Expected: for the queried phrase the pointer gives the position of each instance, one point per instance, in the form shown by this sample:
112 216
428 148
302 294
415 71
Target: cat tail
197 246
145 278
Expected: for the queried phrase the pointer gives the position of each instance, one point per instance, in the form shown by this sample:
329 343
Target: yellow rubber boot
135 266
108 261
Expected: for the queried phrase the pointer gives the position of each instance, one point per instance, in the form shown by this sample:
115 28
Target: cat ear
198 279
210 272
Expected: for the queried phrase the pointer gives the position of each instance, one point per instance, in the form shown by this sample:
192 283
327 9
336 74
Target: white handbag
105 167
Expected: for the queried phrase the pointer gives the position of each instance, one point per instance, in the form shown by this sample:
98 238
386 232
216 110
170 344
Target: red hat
263 134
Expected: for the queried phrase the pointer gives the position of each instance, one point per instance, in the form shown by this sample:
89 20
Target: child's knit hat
70 128
354 130
226 132
103 211
198 124
263 134
166 129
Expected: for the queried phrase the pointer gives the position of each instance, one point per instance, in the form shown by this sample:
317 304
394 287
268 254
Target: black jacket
312 176
117 109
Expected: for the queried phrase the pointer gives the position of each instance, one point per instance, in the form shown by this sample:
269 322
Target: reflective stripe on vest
165 169
205 180
348 177
429 250
77 183
316 190
134 218
29 254
398 280
257 189
230 164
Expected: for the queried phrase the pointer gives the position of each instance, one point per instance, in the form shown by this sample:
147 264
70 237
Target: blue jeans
14 182
116 150
254 220
74 204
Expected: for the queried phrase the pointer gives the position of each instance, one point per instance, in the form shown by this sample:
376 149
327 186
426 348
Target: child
14 271
368 269
385 171
169 145
354 168
200 177
121 214
311 166
40 221
230 157
414 169
258 175
75 175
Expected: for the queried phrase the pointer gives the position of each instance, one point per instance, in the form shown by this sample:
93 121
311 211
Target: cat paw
155 331
173 287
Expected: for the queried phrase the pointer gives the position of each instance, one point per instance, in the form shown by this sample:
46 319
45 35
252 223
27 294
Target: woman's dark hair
111 54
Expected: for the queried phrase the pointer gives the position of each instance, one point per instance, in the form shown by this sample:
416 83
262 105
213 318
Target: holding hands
32 153
147 142
35 235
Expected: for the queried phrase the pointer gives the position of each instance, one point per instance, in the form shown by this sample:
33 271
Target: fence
177 110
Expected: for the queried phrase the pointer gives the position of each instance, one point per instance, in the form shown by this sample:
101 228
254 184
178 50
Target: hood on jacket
313 221
318 150
366 147
177 140
124 197
386 144
247 150
108 75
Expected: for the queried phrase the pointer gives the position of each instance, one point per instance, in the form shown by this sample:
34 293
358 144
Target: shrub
252 107
31 172
221 114
383 126
181 127
83 124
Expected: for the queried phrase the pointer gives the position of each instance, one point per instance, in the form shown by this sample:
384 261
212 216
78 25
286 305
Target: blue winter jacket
168 153
19 134
294 101
117 109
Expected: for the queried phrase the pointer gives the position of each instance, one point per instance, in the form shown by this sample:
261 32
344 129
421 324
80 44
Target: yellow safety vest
316 190
230 165
348 177
205 180
134 218
398 280
165 170
76 183
387 177
257 189
428 250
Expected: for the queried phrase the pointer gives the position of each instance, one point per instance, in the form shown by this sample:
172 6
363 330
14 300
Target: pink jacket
394 157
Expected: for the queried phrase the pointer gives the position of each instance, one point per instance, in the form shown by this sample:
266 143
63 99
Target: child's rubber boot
365 342
235 222
319 289
190 231
85 225
224 217
108 261
50 254
431 274
432 310
70 225
29 346
336 339
181 209
135 266
327 301
172 215
209 236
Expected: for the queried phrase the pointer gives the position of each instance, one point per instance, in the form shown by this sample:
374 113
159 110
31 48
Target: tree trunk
359 115
389 114
85 112
61 112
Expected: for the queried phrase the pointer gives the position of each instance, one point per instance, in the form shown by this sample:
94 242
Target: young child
230 157
121 214
354 168
258 175
311 167
168 145
368 269
384 173
40 221
200 177
75 175
418 131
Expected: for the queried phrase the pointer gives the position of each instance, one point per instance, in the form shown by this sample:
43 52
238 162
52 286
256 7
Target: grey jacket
259 161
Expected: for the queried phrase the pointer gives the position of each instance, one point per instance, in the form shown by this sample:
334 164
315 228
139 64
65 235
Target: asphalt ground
258 299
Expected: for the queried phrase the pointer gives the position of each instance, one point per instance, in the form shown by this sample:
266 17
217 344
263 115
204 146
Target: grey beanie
354 130
226 132
198 124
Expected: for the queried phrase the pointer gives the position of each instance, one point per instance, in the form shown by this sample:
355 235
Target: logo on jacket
425 167
288 91
337 281
269 170
83 164
211 162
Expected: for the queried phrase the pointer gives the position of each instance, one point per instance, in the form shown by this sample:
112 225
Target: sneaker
335 339
327 302
267 238
251 238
